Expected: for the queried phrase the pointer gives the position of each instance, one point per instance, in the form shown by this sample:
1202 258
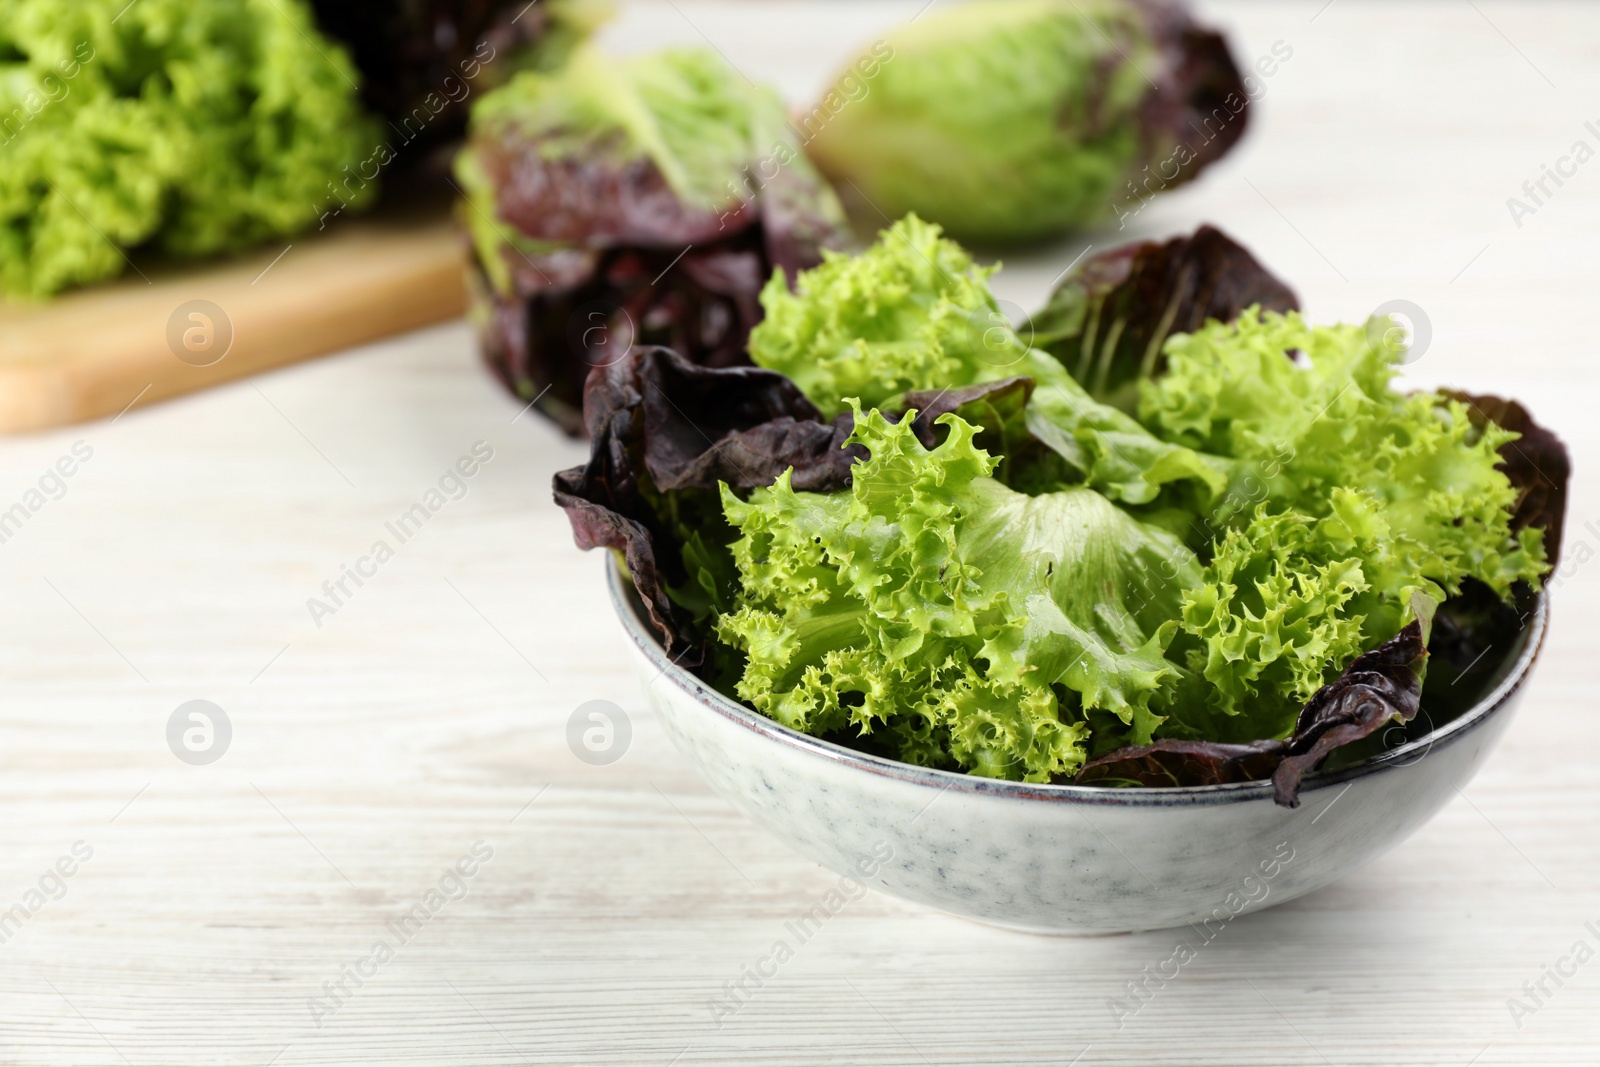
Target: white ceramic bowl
1065 858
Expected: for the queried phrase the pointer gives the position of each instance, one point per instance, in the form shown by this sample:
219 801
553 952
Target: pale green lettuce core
197 128
958 621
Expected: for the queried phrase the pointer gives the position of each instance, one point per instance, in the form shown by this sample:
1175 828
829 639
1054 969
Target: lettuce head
1015 119
190 128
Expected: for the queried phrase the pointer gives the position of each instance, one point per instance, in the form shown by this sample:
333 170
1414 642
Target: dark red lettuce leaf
421 60
602 255
1107 320
1203 105
1377 687
660 423
1176 763
571 312
1537 465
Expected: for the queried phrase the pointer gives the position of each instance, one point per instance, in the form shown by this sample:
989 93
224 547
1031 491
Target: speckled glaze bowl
1061 858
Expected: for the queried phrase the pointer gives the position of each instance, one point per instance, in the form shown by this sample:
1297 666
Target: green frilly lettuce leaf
914 313
1348 499
193 128
973 625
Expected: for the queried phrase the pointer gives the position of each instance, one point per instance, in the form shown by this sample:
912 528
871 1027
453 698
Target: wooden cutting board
158 333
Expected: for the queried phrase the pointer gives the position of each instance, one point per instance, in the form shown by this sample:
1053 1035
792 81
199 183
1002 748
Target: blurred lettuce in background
192 128
421 60
1016 119
644 200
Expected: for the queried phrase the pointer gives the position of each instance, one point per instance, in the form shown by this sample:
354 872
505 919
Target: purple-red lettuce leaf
664 432
421 61
622 203
1536 463
1377 688
1108 319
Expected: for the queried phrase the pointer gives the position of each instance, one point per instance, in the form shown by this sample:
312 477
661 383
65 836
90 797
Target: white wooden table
429 711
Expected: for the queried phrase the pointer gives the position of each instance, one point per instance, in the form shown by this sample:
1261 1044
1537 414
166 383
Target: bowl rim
630 611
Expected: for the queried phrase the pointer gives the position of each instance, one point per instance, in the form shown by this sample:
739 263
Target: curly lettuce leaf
972 625
914 313
1349 499
1377 688
192 128
1301 429
1285 602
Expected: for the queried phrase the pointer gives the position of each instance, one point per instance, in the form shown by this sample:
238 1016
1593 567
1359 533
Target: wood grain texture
430 711
91 352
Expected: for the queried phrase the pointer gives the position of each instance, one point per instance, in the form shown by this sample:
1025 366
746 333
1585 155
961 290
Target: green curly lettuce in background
192 128
1275 509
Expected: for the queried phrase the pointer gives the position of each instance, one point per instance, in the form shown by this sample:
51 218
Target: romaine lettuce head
1014 119
617 202
191 128
914 313
960 622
